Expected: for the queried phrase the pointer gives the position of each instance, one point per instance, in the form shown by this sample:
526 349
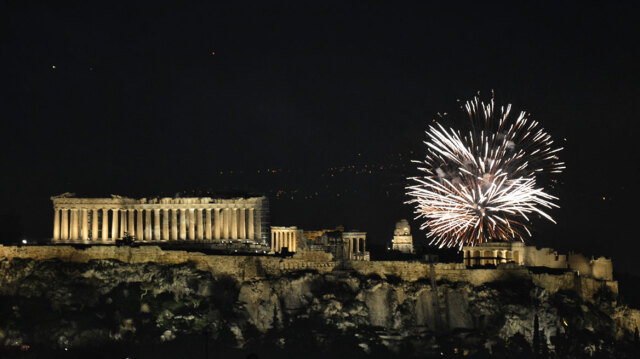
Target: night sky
321 106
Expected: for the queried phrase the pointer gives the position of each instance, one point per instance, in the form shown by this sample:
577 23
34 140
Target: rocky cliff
166 310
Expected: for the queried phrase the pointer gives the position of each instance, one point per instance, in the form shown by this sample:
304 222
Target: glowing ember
482 186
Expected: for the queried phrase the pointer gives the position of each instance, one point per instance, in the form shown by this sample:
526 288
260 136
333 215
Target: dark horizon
101 98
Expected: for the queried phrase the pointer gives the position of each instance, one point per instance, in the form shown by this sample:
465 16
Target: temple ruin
192 219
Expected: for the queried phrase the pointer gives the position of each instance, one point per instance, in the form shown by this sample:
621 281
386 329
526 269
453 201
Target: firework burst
482 186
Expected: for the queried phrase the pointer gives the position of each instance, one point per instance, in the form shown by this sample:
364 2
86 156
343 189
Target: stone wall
599 268
248 268
544 257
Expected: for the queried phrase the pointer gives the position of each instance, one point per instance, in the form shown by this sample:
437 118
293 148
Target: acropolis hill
155 290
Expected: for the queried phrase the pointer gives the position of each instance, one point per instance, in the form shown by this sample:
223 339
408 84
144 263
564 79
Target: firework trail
481 186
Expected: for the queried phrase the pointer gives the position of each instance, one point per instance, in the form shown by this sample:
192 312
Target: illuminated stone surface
93 220
402 238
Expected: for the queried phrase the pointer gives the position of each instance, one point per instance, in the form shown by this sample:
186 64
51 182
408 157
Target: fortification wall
599 268
247 268
544 257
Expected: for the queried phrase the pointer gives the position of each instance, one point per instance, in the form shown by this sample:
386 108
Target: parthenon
95 220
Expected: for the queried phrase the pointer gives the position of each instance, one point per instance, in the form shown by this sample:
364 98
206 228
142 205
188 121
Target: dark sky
138 105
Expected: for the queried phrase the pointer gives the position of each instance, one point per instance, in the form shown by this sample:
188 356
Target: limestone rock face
55 304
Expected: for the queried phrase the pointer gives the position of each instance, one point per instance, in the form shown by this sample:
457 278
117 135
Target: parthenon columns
140 226
192 224
199 225
193 219
123 223
147 224
251 234
84 231
105 224
225 223
216 223
174 224
241 223
183 224
156 224
114 226
131 222
56 224
165 224
207 229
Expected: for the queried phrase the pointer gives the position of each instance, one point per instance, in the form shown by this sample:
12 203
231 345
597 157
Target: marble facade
91 220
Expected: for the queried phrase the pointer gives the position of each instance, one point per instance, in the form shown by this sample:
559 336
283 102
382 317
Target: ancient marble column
357 245
242 223
364 245
94 224
293 242
165 224
131 222
225 223
64 224
56 224
147 225
105 224
234 223
156 224
114 225
273 240
84 224
207 227
174 224
217 228
192 224
278 241
74 224
258 225
183 223
250 230
140 226
199 224
123 222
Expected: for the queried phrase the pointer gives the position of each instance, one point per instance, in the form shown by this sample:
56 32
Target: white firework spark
482 186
